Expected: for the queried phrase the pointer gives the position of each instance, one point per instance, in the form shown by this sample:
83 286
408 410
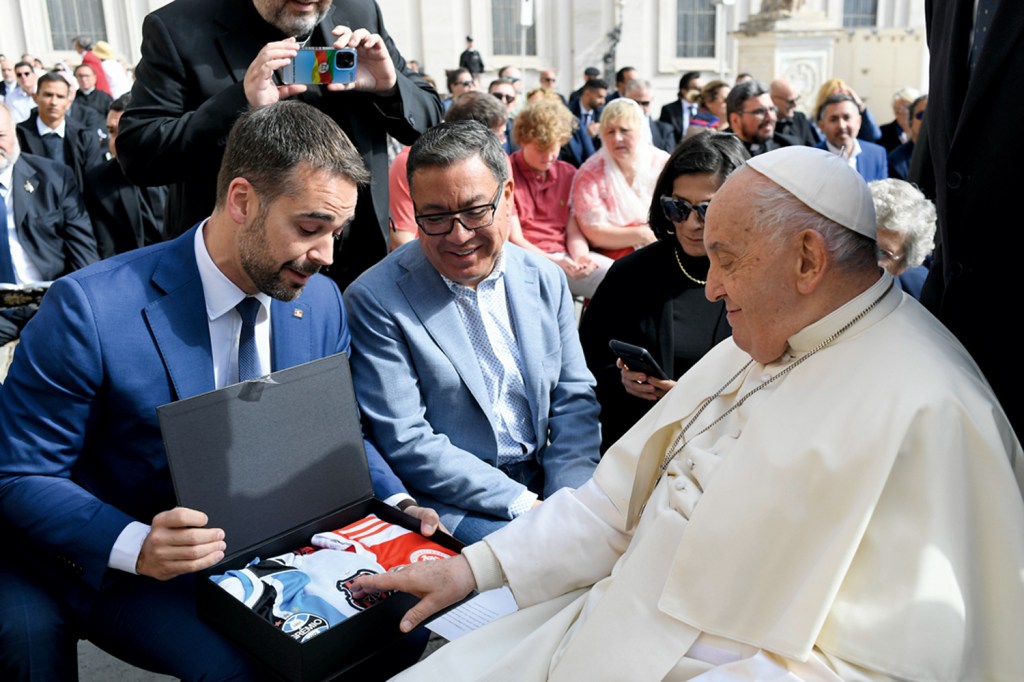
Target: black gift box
272 462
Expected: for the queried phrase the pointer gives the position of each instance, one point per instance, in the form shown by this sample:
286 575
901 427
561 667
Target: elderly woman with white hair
612 190
906 231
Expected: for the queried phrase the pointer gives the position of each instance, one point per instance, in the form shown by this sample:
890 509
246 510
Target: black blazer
81 145
97 100
188 93
634 304
672 114
976 181
124 216
890 138
662 135
799 128
53 226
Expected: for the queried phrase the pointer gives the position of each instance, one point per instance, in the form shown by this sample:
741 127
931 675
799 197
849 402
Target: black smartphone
637 359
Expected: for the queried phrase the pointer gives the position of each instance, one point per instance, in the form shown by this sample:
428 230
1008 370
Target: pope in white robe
847 506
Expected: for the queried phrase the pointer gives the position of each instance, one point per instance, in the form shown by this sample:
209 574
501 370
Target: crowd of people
569 323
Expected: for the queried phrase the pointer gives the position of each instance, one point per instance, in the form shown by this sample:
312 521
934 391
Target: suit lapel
23 177
522 286
1007 25
290 336
178 320
431 301
244 35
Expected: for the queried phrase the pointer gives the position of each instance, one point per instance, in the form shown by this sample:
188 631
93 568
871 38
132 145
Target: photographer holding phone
205 62
654 298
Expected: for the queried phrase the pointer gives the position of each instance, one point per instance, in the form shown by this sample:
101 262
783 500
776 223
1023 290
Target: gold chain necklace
700 282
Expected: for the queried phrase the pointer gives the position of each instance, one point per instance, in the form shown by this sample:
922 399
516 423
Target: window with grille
695 28
72 18
858 13
506 31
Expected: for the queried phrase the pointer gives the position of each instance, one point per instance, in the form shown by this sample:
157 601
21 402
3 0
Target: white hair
902 208
906 94
781 214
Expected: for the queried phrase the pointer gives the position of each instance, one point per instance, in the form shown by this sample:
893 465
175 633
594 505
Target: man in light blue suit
840 121
94 546
465 355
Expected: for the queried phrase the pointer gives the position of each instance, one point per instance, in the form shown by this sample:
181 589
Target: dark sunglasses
508 99
678 210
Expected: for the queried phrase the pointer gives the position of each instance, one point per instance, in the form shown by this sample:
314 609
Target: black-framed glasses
472 218
761 112
643 102
678 210
506 98
789 102
464 84
919 115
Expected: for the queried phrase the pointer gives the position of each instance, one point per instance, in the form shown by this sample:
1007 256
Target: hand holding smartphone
321 66
637 359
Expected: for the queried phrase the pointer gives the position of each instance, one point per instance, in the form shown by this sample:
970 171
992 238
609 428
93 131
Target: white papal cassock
859 518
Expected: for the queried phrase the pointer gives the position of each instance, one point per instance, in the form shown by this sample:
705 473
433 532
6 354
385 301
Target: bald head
784 96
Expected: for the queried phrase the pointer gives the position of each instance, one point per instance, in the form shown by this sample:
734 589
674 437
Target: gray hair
636 85
781 215
902 208
446 144
741 93
907 94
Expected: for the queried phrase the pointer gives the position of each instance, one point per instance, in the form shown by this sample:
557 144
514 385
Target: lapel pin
29 187
297 313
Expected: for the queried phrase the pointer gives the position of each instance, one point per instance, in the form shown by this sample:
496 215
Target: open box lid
266 456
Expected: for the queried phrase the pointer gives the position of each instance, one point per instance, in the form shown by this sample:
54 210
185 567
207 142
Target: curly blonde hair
548 123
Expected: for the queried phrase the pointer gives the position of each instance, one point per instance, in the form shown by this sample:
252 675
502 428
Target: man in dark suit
109 556
971 106
662 135
589 74
88 94
752 117
204 62
49 132
897 131
584 141
791 121
45 230
124 216
677 114
900 158
622 77
840 122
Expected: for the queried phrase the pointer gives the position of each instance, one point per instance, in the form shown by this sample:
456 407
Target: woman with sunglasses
654 298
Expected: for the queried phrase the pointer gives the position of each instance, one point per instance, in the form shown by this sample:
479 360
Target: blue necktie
982 24
248 358
6 264
54 145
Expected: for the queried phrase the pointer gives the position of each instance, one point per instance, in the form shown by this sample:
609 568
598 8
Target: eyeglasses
22 74
549 80
472 218
762 112
511 79
678 210
789 102
508 99
643 102
919 115
884 255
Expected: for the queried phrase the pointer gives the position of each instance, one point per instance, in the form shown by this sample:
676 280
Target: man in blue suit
95 546
840 121
49 235
587 109
465 356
